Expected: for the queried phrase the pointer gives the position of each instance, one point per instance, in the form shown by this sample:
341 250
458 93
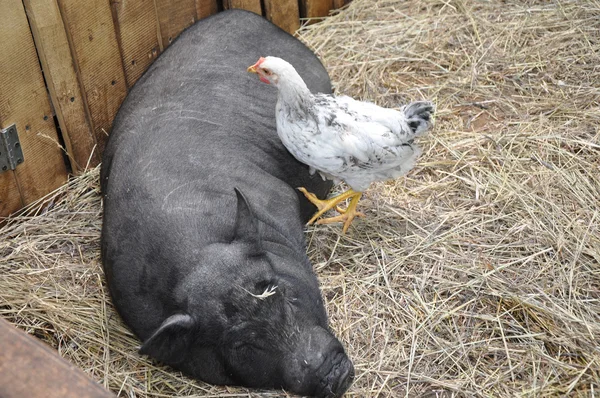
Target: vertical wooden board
55 56
283 13
24 101
205 8
250 5
10 197
173 17
315 8
136 28
340 3
93 40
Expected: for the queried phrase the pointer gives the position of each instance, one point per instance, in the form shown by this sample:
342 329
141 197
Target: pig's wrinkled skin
202 241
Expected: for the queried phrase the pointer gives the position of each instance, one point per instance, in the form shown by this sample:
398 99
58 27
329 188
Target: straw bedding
476 275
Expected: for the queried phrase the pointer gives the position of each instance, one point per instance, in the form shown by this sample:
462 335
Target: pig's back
195 126
197 117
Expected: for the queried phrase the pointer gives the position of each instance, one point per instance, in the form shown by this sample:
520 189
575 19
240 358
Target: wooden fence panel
94 45
65 91
173 17
10 196
250 5
91 52
340 3
24 101
283 13
137 33
316 8
205 8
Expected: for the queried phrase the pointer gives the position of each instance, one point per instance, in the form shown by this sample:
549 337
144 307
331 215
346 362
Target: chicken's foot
346 216
321 204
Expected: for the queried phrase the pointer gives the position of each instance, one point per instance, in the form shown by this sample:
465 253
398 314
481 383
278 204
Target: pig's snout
336 375
320 367
342 377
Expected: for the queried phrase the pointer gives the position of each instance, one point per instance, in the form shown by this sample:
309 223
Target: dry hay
477 275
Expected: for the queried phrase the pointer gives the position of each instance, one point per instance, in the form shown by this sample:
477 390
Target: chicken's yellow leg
348 215
327 204
324 205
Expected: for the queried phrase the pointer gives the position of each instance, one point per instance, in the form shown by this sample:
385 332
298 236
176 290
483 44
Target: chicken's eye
268 72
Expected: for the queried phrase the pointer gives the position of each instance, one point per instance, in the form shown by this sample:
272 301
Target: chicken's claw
312 198
320 204
346 216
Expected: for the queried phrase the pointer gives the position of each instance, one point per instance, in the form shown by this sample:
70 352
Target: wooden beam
249 5
173 17
315 8
283 13
29 368
137 33
205 8
10 196
24 101
94 46
61 78
340 3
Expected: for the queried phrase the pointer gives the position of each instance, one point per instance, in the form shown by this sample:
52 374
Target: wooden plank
205 8
94 45
315 8
10 196
137 33
250 5
340 3
283 13
24 101
173 17
29 368
65 91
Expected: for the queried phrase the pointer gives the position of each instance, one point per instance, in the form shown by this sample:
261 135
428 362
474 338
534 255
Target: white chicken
341 138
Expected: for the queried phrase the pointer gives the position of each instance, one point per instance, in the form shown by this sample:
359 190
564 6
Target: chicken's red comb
260 61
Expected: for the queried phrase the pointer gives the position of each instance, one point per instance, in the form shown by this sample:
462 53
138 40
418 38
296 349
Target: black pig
202 240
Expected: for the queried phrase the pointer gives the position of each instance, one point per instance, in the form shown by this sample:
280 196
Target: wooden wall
66 66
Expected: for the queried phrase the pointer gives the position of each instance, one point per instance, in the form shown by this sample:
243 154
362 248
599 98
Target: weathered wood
339 3
10 197
315 8
137 33
24 101
94 45
173 17
65 91
250 5
283 13
205 8
28 368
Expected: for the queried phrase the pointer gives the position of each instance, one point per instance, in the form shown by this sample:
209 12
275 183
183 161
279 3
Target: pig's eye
239 344
245 347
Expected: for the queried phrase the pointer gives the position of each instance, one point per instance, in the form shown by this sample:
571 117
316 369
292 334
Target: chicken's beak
252 69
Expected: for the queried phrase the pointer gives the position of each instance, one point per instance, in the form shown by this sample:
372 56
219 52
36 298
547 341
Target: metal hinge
11 153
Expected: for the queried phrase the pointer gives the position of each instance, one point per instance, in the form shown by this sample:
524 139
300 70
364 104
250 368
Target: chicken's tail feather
419 116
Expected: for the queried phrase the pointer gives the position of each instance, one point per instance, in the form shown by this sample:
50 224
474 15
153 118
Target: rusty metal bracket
11 153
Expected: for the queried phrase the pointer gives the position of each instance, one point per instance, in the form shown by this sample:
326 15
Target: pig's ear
246 228
170 342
